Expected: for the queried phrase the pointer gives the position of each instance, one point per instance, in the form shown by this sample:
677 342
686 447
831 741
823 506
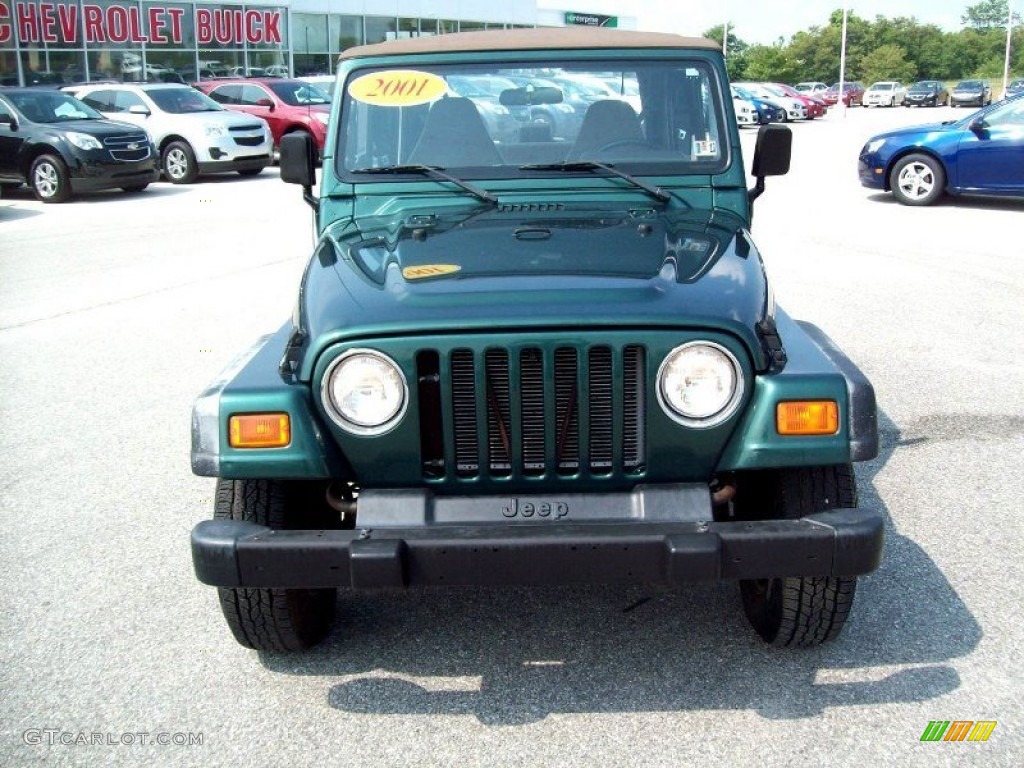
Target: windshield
297 93
882 87
966 84
51 106
180 101
489 120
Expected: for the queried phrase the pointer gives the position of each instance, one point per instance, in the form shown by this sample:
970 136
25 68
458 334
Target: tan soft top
530 39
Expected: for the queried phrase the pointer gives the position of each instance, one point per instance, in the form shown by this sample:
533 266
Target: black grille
248 141
243 128
532 411
130 147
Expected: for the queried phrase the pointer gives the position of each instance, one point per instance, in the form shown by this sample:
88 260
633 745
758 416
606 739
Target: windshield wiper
590 165
437 172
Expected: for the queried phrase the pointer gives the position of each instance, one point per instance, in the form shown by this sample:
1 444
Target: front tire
179 163
806 611
917 179
50 180
267 619
250 172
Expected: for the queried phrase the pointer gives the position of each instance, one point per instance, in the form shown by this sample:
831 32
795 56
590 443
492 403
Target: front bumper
246 163
840 542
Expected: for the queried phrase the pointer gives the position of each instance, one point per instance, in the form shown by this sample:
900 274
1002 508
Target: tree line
884 49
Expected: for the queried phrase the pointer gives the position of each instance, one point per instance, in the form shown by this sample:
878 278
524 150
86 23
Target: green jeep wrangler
535 344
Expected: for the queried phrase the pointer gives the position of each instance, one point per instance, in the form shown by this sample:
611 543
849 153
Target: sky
764 21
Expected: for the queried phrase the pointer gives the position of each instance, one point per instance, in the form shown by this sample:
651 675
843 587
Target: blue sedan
981 154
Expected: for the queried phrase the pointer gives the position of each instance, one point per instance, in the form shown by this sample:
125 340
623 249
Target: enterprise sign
70 24
590 19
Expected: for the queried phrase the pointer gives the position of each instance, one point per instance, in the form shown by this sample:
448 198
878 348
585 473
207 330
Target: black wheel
134 188
250 172
275 619
803 611
49 179
179 163
917 179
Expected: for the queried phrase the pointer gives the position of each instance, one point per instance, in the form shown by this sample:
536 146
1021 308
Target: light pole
1009 30
842 69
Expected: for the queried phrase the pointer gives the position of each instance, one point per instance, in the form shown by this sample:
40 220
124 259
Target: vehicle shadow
976 202
513 656
156 189
10 213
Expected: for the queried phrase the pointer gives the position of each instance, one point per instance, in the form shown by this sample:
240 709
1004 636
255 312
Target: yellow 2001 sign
429 270
397 88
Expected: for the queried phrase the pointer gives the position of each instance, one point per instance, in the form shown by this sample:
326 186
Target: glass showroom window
380 28
170 50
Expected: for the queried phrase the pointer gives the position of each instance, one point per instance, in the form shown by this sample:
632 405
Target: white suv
193 133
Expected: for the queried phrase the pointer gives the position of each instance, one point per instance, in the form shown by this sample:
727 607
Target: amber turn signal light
260 430
807 417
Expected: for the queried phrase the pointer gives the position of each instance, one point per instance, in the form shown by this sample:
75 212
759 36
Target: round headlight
700 384
365 392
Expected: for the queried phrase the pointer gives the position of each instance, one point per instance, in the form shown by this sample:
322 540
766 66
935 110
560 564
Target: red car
816 106
853 94
287 105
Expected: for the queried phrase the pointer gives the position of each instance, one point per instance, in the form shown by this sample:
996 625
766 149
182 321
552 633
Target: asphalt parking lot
116 311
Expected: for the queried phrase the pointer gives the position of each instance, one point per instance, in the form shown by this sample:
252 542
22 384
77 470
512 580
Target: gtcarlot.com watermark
56 737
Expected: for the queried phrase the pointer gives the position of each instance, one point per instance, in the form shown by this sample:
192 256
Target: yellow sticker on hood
429 270
398 88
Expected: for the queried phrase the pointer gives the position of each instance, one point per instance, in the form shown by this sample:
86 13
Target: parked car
746 112
980 154
61 147
325 83
793 109
853 94
971 93
811 87
192 132
560 366
767 111
885 93
286 104
927 93
1017 86
813 103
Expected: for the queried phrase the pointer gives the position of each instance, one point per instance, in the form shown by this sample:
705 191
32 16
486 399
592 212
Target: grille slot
499 413
571 410
567 417
467 449
248 141
601 432
633 408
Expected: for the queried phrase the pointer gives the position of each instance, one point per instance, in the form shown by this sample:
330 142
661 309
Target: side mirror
978 126
772 154
9 120
265 103
298 163
138 109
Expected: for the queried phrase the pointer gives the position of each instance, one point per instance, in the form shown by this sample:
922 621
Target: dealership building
68 41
